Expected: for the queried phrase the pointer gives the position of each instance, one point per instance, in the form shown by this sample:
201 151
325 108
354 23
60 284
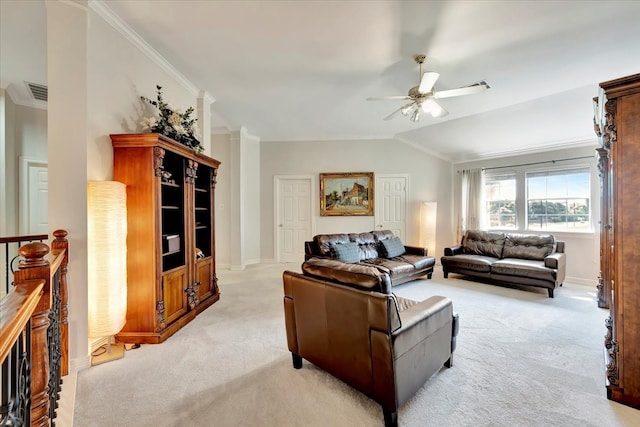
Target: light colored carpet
522 360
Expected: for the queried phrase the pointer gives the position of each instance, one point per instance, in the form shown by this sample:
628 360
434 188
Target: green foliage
177 126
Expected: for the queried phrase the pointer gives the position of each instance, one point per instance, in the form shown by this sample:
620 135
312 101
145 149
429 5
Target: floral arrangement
174 124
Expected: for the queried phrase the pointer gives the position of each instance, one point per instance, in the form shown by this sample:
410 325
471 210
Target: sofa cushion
524 268
366 244
479 263
420 262
325 241
488 243
392 247
358 276
528 246
395 267
347 252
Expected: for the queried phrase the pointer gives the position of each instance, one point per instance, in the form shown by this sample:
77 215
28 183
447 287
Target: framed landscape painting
345 194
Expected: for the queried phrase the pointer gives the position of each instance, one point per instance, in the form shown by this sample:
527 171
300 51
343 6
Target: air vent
39 92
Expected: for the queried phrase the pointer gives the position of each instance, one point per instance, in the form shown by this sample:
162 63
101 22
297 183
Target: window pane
500 199
559 199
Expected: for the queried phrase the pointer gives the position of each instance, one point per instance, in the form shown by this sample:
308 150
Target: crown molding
553 146
206 96
110 17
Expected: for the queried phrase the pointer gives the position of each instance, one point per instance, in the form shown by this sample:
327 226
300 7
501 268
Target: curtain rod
538 163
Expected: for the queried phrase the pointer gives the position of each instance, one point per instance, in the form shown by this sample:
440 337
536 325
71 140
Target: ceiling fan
423 96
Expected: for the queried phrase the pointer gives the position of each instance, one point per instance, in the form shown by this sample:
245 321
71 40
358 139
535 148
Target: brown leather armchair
385 346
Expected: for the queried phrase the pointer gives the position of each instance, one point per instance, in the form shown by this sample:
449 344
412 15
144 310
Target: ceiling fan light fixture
407 109
422 97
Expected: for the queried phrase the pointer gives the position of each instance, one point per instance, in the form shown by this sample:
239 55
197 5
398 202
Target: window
559 200
500 199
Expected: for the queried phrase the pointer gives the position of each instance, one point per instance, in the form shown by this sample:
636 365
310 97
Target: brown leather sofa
408 263
513 258
350 324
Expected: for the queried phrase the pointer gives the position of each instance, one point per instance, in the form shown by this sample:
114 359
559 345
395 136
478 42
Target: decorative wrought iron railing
34 335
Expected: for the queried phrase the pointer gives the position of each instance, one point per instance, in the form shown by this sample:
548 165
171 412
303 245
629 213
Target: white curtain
471 213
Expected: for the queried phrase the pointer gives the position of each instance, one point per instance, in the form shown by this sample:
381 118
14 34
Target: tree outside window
559 200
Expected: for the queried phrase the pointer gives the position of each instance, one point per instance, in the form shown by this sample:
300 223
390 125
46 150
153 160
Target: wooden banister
49 322
15 311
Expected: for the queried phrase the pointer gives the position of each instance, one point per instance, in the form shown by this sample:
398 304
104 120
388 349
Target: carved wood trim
612 366
192 295
158 160
610 134
162 324
213 178
192 171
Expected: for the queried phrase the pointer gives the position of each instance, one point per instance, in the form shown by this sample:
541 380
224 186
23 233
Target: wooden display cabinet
617 122
171 271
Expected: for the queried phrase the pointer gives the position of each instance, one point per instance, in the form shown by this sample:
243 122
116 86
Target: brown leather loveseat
345 320
380 249
513 258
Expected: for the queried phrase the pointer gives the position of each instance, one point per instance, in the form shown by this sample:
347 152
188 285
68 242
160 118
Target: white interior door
391 204
34 197
293 217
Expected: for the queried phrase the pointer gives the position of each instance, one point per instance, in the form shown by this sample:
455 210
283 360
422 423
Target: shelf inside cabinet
170 252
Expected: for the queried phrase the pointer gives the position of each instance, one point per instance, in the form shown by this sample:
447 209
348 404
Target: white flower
181 130
148 123
175 119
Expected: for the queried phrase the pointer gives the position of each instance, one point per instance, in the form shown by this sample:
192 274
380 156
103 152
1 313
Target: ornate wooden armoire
617 123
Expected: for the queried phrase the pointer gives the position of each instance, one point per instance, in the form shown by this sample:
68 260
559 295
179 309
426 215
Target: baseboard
581 281
80 363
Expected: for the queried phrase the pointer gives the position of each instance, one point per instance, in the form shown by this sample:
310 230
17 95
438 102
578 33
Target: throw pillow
393 247
347 252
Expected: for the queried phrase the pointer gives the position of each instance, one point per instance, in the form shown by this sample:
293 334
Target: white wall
250 163
31 132
429 180
119 73
8 167
105 73
221 151
582 248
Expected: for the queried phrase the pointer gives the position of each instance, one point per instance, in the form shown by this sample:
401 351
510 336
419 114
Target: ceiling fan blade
428 80
403 108
467 90
381 98
432 107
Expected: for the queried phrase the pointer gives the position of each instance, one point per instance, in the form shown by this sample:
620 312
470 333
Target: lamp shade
428 217
107 257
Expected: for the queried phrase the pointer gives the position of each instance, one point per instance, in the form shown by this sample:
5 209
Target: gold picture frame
346 194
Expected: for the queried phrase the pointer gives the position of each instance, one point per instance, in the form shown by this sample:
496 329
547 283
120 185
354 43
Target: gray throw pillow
347 252
393 247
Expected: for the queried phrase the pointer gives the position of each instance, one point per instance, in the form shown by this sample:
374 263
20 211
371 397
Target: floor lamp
107 265
428 216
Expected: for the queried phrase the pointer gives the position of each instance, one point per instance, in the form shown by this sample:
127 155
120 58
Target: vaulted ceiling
302 70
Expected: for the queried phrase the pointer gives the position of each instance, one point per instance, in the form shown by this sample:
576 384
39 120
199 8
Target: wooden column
36 266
